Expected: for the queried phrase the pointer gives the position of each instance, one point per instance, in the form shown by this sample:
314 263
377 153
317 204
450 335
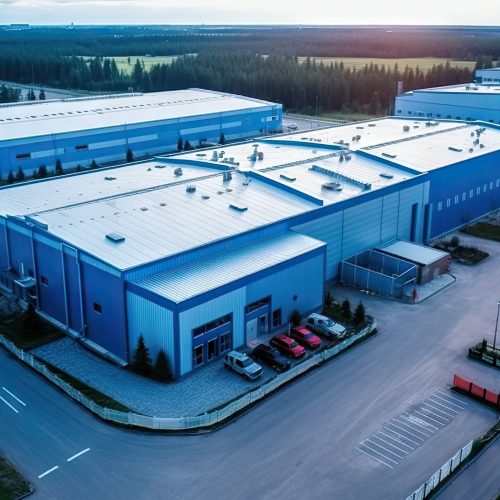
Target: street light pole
496 327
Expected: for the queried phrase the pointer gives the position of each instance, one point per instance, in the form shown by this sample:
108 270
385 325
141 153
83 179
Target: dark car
271 356
287 345
305 337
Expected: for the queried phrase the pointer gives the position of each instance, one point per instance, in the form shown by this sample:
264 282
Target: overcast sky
454 12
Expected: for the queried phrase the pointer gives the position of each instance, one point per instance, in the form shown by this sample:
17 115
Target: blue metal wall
111 143
463 192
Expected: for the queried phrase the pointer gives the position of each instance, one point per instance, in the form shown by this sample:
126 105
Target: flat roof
419 254
468 88
42 118
189 280
169 220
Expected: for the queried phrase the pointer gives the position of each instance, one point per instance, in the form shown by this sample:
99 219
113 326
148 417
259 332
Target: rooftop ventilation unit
372 124
384 175
190 189
238 207
406 128
205 197
160 166
288 178
331 186
115 237
178 172
109 178
389 155
453 148
227 176
215 156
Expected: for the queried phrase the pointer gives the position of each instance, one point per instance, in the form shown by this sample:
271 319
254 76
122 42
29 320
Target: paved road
301 443
481 479
306 123
50 93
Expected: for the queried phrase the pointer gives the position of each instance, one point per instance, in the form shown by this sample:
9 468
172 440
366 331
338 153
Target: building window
276 317
224 343
399 111
197 356
254 306
478 190
212 325
97 308
440 206
82 147
491 185
485 187
464 196
471 193
23 156
498 183
456 199
44 281
448 202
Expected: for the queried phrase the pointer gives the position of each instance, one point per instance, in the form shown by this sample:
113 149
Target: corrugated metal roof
187 281
68 115
416 253
469 88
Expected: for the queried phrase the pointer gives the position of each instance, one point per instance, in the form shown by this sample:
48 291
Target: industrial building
77 131
479 100
203 251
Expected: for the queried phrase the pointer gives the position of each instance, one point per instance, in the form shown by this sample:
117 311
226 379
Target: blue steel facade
111 143
106 306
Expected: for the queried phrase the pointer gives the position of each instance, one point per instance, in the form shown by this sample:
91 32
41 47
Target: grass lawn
12 484
350 117
483 230
424 63
123 65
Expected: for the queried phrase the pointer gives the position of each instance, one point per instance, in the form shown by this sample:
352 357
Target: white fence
185 423
440 475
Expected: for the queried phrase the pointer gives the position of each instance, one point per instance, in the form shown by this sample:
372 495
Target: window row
438 115
470 194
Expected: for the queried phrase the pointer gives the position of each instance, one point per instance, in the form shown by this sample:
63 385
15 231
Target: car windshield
329 322
308 336
293 344
247 362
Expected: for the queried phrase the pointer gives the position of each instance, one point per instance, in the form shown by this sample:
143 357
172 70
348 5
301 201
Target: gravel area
205 389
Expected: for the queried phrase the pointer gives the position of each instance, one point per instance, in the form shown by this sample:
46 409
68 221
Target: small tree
295 318
41 95
455 241
59 168
359 314
328 299
10 178
179 144
20 174
346 309
30 96
129 156
31 321
42 172
93 164
187 145
161 370
141 360
78 168
222 138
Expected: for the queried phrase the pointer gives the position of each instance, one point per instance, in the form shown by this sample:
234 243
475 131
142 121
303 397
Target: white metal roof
190 280
419 254
55 117
469 89
169 220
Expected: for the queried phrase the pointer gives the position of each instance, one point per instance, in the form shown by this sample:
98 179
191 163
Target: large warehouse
77 131
479 100
203 251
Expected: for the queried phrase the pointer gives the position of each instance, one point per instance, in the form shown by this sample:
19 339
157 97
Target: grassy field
123 64
350 117
423 63
12 484
484 230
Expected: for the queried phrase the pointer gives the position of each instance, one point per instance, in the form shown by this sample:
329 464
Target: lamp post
496 327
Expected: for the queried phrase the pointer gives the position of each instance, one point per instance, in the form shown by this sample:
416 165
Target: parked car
243 364
292 126
286 345
305 337
325 326
271 356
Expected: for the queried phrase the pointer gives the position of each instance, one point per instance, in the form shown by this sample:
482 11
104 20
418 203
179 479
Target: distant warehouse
78 131
207 250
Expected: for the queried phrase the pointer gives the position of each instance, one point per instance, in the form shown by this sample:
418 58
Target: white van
325 326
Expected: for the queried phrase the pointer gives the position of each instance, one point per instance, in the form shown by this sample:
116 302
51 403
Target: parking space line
385 449
78 454
397 439
14 396
401 435
374 458
414 429
378 452
413 420
430 418
448 402
374 436
452 397
407 432
433 412
447 407
440 411
48 472
9 405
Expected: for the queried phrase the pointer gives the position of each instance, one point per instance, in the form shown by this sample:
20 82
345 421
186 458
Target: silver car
242 364
325 326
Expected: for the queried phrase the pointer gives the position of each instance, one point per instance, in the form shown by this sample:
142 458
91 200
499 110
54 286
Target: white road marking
419 422
414 429
374 458
78 454
380 446
452 397
440 411
397 439
378 452
430 418
8 404
389 444
447 407
449 402
407 432
48 471
15 397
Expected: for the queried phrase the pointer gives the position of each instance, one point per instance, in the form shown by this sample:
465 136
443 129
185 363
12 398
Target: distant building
479 100
79 130
203 251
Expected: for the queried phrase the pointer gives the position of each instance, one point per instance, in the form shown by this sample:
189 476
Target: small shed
430 262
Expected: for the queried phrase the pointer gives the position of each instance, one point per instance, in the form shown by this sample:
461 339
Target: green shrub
295 318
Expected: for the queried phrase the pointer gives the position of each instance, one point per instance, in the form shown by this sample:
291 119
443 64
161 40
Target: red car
305 337
287 345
